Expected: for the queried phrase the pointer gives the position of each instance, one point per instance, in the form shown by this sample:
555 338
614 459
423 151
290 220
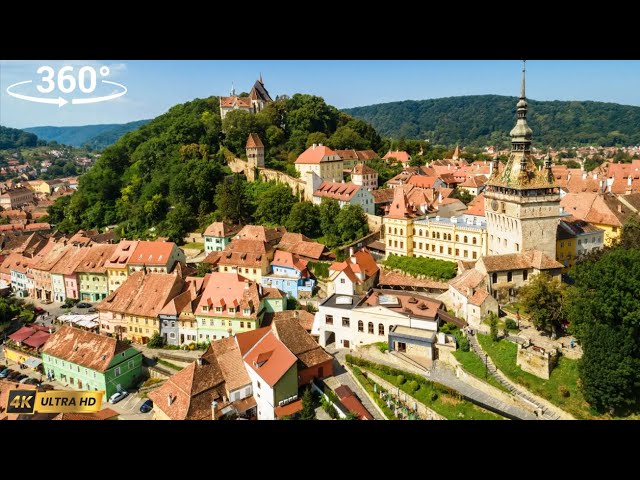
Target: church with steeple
522 202
258 98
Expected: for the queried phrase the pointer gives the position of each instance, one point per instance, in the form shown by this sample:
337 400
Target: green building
87 361
218 235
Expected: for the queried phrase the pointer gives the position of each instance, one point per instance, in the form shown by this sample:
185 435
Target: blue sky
154 86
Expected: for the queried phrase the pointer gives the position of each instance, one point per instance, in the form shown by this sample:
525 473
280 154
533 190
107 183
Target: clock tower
522 203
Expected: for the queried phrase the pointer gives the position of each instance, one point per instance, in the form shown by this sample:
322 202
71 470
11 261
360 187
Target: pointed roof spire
261 78
524 71
233 90
456 153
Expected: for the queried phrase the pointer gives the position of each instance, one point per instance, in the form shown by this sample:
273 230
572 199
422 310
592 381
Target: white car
116 397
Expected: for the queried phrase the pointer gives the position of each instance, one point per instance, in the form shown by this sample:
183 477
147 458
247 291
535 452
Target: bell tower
522 203
255 156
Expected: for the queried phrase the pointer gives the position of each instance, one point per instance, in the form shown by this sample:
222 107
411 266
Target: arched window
475 240
457 238
420 232
380 329
389 230
370 328
360 326
466 239
401 232
395 231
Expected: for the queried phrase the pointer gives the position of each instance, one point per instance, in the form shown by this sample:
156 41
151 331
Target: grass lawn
503 354
473 364
194 245
443 400
169 364
368 386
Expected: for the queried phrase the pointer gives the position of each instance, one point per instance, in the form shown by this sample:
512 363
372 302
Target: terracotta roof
258 232
354 405
362 169
122 254
104 414
399 155
476 206
360 262
302 316
471 278
246 340
383 195
390 278
343 391
633 199
479 297
241 259
270 359
143 294
242 102
72 258
37 339
221 229
400 207
288 409
272 292
299 342
422 181
247 246
317 154
407 303
337 190
22 334
178 304
230 290
188 394
16 262
474 182
47 261
229 358
152 253
84 348
603 208
95 258
514 261
301 245
254 141
289 260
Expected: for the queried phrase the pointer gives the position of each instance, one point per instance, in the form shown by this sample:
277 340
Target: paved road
129 408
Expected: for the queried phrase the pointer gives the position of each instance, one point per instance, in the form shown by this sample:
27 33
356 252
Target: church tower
522 203
255 156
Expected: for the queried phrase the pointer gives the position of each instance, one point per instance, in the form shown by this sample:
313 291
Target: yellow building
398 225
565 247
322 161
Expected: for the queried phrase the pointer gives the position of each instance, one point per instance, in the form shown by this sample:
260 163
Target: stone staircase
519 392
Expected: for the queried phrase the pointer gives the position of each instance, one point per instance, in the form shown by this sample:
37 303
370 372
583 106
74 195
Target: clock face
494 205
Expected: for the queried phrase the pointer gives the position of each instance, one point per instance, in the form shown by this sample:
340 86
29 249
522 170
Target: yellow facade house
117 266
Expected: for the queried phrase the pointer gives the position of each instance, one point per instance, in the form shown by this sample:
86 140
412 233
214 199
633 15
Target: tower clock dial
494 205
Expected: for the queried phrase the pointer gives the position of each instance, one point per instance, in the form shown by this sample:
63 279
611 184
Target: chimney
169 400
595 176
629 181
200 362
246 284
313 147
319 144
602 185
620 208
351 252
296 314
214 405
584 176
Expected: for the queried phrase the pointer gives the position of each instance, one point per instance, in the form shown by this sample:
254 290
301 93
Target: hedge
430 267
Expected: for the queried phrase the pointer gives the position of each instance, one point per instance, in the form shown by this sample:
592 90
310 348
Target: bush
510 324
319 269
430 267
382 346
434 396
413 386
464 344
156 341
564 391
400 379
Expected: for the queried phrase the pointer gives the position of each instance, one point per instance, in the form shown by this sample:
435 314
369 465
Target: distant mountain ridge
487 119
94 136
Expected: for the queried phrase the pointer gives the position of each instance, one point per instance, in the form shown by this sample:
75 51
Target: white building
354 276
364 176
345 194
470 298
322 161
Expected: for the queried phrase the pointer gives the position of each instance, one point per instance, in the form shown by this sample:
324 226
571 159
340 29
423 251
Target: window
414 244
221 323
370 328
457 252
241 324
380 329
249 325
561 244
205 308
509 276
401 244
173 324
259 386
389 230
475 240
246 311
254 270
328 319
395 244
420 232
218 309
342 280
466 239
389 242
345 322
211 322
441 249
494 278
118 371
475 255
130 362
395 231
449 250
457 237
401 232
360 326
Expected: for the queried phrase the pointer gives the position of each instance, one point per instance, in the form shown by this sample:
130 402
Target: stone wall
297 185
374 222
536 360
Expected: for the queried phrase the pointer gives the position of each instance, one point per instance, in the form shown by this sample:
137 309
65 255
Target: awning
32 362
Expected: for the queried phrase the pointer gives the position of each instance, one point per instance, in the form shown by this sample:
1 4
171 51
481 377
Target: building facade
321 161
218 235
289 273
345 194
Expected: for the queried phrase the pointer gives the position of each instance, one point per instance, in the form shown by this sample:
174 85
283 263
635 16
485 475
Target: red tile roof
476 206
22 334
104 414
337 190
37 339
288 409
422 181
289 260
270 359
400 207
221 229
230 290
317 154
246 340
95 258
399 155
152 253
242 102
254 141
362 169
309 353
122 255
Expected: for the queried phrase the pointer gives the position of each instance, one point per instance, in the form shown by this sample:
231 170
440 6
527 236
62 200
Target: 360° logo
66 81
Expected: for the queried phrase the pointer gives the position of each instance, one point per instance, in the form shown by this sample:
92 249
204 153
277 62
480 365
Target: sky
154 86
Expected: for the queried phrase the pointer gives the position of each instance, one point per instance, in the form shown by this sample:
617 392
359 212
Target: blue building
289 273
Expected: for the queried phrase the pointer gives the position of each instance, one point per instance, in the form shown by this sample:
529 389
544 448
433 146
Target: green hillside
96 137
165 173
487 119
14 138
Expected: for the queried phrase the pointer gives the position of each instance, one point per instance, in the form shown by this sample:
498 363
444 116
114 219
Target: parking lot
129 408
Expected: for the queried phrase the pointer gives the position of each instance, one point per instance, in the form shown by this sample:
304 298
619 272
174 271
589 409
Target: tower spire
524 71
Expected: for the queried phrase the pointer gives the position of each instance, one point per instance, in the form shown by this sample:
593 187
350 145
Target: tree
202 269
462 195
275 204
156 341
232 201
304 218
603 308
329 210
317 138
345 137
351 223
178 223
542 298
630 236
493 326
308 411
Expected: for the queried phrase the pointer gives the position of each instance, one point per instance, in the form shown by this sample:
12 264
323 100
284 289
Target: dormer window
205 308
218 309
246 312
232 310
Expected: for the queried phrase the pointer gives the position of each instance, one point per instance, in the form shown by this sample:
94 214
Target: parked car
25 379
13 375
31 381
20 377
147 406
39 310
92 310
5 373
46 387
83 305
116 397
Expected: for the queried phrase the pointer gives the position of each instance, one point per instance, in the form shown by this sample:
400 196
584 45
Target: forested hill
487 119
95 137
14 138
165 173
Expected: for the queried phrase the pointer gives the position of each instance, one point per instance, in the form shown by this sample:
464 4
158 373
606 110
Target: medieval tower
255 156
522 203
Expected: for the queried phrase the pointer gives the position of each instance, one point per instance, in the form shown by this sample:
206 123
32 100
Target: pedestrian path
344 378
